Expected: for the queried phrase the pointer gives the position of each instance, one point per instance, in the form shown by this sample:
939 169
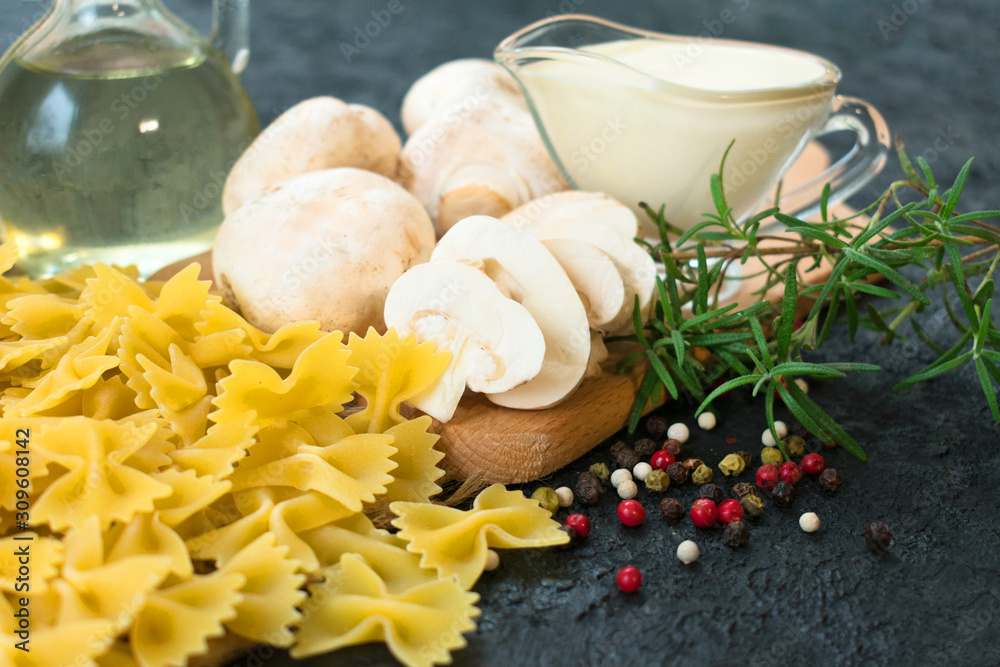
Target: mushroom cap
529 274
325 246
494 341
455 85
318 133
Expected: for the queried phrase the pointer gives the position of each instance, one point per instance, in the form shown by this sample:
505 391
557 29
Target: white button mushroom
324 246
619 476
809 522
687 552
597 280
494 342
527 273
678 432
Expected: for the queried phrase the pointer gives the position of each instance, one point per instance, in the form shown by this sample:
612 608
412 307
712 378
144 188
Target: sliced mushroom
597 279
575 205
494 341
530 275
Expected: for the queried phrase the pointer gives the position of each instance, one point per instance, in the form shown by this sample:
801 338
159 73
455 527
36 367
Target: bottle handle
231 32
851 172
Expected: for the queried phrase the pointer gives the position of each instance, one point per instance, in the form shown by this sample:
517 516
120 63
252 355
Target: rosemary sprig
694 345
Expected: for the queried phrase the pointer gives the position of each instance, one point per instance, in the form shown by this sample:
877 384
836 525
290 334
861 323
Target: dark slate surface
933 68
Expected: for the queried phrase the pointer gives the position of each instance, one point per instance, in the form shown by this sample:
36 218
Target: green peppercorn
732 465
830 480
677 472
783 494
747 458
713 492
794 445
602 472
657 480
693 464
743 489
588 488
657 427
547 498
645 447
673 446
627 458
701 475
736 534
771 456
753 506
671 508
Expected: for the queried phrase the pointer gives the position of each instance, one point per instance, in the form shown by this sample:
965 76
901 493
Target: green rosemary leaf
828 426
851 307
988 390
642 395
793 406
933 371
709 339
991 355
872 230
628 361
824 200
977 215
928 174
879 324
689 381
962 292
686 236
805 368
895 277
874 290
758 336
786 325
738 317
715 183
679 349
723 388
769 415
831 318
983 292
851 366
955 191
833 281
818 235
665 305
698 320
984 326
661 372
904 162
704 284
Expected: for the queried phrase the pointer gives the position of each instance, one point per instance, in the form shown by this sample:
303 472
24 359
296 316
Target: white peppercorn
627 489
809 522
619 476
641 470
687 552
706 420
678 432
565 495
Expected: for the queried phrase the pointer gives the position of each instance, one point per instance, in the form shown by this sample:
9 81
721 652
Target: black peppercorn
713 492
877 536
693 464
802 432
627 458
645 448
573 537
618 447
673 446
678 472
830 480
588 488
671 508
782 494
656 427
747 458
743 489
736 534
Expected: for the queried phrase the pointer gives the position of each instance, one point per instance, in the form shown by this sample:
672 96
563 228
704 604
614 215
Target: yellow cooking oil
119 167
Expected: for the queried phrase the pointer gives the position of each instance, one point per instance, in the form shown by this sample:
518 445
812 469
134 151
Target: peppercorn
580 524
673 446
813 464
766 477
877 536
627 458
619 476
736 534
771 456
702 475
573 537
671 508
629 579
747 458
658 481
753 506
790 472
732 465
830 480
656 427
677 472
743 489
492 560
618 447
768 440
631 512
802 432
546 498
565 495
687 552
640 470
627 489
588 488
679 432
601 470
661 459
704 513
730 510
713 492
783 494
707 421
693 464
645 447
809 522
794 445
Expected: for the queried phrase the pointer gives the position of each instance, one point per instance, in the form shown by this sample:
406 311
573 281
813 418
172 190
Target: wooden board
505 445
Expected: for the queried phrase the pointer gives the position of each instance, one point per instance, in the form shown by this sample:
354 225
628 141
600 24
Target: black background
933 69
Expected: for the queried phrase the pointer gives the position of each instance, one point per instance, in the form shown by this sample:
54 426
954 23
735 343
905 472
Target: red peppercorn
767 476
730 510
790 472
629 579
704 513
661 459
631 512
813 464
579 523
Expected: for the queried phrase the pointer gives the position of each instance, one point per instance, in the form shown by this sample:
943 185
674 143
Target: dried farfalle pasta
191 494
182 300
279 350
42 566
110 294
455 542
415 478
43 316
216 452
391 370
146 535
77 642
420 626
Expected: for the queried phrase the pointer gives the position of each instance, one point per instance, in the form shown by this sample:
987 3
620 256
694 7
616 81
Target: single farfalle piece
191 494
16 353
176 623
456 542
391 370
77 642
146 535
182 300
108 399
218 451
415 478
180 391
97 482
321 376
110 294
420 626
271 595
43 316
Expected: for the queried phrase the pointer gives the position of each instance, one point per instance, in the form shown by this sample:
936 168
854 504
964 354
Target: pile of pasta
190 476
